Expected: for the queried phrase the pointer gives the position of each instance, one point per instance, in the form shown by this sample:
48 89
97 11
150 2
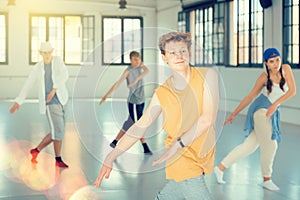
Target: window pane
288 35
221 10
208 32
56 34
295 35
88 39
295 54
64 33
121 35
289 53
221 56
260 20
250 32
112 40
241 55
259 38
3 48
287 2
287 15
73 40
182 21
291 32
254 55
132 37
296 14
38 35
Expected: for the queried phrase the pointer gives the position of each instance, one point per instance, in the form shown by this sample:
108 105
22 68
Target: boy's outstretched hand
230 119
15 107
105 171
102 100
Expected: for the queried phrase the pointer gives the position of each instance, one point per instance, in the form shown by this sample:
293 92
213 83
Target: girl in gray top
134 76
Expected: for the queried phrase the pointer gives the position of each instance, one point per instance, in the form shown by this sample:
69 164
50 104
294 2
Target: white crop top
276 92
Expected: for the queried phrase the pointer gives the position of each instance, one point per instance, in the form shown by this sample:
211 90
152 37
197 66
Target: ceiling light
122 4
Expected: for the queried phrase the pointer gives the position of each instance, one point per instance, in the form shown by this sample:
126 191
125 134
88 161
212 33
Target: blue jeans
190 189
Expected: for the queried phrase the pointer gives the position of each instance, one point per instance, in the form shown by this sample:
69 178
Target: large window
291 33
3 38
206 23
249 33
120 36
88 38
204 36
71 36
182 21
219 33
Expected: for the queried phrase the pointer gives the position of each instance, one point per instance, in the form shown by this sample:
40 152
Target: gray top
136 92
49 84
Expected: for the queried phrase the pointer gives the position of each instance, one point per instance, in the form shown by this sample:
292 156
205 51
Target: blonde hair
175 37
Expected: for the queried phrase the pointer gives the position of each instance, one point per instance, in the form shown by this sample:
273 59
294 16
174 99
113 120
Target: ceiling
143 3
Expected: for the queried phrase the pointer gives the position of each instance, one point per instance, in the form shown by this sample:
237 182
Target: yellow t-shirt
181 109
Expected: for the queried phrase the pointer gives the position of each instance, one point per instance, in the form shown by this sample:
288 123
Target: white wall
237 81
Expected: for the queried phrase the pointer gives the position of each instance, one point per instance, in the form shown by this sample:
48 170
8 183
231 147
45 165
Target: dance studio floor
89 130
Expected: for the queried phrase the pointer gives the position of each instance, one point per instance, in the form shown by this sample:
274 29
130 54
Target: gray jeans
190 189
56 118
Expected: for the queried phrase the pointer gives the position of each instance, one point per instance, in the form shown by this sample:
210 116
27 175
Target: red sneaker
34 153
61 164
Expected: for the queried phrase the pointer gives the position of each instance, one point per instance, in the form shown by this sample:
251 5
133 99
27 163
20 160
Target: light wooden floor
89 130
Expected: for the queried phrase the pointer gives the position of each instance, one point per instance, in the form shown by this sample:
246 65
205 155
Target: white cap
46 47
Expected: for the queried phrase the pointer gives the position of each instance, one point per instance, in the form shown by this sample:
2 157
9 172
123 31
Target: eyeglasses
182 52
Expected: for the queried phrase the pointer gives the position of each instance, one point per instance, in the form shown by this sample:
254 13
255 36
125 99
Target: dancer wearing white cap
50 75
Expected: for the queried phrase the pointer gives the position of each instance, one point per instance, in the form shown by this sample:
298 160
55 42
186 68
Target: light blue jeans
190 189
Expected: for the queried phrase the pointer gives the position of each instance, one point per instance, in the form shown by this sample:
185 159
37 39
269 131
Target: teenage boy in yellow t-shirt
189 103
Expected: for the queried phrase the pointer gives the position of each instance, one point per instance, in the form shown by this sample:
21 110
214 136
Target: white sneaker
219 175
270 185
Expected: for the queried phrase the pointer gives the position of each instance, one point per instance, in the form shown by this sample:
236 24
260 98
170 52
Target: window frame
190 20
288 27
63 16
122 18
182 21
250 47
88 52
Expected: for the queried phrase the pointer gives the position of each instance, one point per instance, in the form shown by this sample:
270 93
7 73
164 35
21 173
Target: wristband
180 142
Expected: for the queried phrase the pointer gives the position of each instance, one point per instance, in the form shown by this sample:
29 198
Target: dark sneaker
112 145
34 153
148 152
61 164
